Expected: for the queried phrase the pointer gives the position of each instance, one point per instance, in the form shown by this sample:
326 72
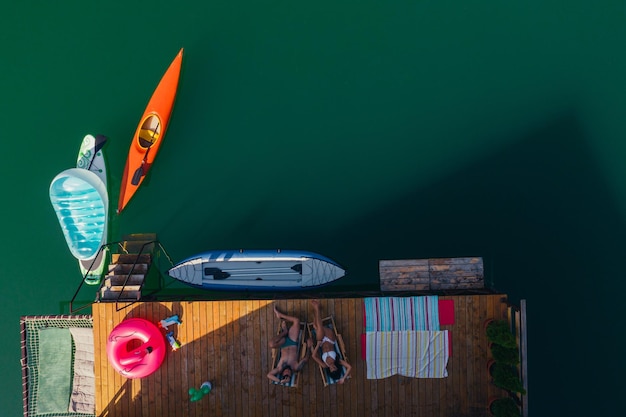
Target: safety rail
132 269
121 245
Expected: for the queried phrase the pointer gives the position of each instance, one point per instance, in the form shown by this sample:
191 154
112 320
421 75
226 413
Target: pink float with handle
136 348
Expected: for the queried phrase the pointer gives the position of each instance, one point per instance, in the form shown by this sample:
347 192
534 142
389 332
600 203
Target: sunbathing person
287 341
329 358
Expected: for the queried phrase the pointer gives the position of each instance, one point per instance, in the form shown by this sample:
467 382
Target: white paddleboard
90 157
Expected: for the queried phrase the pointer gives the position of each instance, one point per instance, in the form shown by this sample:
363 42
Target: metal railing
121 244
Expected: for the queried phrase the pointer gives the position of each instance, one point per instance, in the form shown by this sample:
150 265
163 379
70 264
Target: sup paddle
139 172
100 141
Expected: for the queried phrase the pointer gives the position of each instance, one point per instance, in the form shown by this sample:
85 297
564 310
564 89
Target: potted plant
505 376
499 333
509 356
504 407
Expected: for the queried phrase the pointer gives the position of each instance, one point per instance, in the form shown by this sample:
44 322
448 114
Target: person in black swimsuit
287 342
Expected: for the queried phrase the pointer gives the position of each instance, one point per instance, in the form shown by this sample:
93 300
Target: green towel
55 364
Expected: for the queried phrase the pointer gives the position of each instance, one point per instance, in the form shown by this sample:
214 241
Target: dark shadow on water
542 216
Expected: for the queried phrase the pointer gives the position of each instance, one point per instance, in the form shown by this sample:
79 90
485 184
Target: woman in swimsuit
326 341
287 342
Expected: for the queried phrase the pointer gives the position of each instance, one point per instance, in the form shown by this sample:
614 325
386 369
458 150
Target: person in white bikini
326 341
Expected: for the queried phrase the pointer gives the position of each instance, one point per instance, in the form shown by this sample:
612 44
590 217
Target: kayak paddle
139 172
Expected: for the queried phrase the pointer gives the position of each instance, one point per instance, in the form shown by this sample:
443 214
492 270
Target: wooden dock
225 342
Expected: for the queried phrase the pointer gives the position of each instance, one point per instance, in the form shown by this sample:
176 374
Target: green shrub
499 333
505 377
504 354
505 407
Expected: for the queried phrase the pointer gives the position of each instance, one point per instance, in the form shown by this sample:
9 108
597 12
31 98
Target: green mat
55 364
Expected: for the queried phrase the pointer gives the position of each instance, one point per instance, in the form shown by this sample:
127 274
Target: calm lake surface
362 130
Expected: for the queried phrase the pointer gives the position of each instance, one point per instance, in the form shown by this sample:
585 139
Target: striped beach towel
416 354
384 314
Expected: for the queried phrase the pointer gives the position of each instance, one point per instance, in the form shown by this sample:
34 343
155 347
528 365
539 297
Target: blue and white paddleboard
91 157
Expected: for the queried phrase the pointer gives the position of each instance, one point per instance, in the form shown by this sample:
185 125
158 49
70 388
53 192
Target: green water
361 130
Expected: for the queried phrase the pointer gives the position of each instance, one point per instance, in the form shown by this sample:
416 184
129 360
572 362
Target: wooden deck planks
460 353
471 334
226 342
214 331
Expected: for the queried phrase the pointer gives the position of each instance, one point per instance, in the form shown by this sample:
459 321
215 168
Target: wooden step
140 236
108 295
125 269
138 246
127 258
118 280
119 288
137 242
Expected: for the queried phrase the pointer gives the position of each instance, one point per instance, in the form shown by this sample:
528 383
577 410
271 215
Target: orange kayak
150 132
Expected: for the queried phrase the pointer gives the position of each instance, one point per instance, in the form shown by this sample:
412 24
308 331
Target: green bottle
197 394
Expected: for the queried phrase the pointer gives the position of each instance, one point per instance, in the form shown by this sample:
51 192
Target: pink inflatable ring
136 348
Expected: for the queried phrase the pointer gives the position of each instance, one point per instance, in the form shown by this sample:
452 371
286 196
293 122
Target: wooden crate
432 274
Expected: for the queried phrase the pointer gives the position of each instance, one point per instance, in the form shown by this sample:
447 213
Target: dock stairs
128 269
